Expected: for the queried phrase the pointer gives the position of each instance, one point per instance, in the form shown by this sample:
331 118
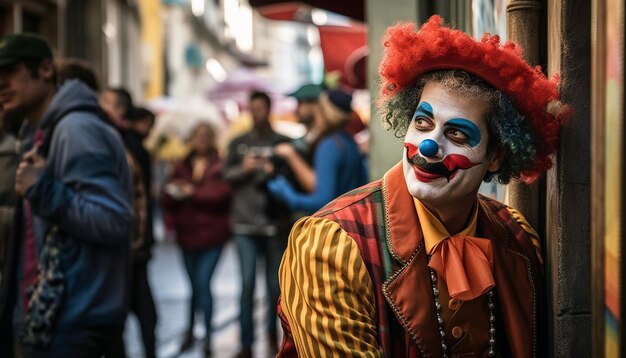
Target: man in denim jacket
74 216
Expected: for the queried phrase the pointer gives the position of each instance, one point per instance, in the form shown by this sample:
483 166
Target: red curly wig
410 53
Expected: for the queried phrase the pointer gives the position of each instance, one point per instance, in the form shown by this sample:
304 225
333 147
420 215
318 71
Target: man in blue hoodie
66 287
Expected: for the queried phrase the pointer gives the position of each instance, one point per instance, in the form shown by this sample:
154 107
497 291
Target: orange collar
433 230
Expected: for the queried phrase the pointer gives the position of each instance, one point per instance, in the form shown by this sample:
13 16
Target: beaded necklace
442 333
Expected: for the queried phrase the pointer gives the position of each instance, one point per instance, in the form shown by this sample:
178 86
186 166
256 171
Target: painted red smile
427 172
424 176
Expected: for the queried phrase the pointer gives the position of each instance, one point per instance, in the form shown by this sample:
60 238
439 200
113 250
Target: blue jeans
249 247
200 265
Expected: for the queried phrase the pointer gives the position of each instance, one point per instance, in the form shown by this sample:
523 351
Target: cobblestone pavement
171 294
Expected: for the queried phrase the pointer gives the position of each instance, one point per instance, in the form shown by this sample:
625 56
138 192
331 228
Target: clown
418 264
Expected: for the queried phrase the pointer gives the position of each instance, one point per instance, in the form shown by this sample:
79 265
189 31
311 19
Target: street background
171 293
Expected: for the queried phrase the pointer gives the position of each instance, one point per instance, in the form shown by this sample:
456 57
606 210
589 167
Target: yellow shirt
433 230
327 293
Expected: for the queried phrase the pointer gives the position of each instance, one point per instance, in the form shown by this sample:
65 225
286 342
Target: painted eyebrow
467 127
424 108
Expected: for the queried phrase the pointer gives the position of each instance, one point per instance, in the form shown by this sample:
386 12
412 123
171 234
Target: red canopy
345 50
354 9
344 47
289 11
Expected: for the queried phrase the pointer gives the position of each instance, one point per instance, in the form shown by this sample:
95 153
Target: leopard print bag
45 295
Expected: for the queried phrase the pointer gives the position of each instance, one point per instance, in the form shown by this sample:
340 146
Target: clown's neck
454 217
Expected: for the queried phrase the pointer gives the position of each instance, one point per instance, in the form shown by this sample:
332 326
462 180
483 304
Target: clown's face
445 148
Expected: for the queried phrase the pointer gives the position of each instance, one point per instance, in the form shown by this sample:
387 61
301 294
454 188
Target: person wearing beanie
338 165
64 292
418 264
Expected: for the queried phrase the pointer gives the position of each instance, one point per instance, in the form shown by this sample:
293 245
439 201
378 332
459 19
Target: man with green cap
308 97
65 291
298 154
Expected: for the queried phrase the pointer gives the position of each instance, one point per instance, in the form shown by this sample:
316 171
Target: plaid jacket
390 243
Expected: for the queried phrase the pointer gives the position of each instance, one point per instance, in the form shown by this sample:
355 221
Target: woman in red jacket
196 204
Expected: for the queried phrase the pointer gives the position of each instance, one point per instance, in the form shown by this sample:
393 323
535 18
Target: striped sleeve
534 237
327 294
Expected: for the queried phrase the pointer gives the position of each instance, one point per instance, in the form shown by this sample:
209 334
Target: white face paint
457 124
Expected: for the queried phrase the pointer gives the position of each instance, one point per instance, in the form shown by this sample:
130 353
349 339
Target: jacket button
457 332
454 304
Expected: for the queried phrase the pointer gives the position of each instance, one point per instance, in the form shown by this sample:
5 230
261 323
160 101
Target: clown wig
527 114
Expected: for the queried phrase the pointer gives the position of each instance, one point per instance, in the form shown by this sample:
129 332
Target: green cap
308 92
15 47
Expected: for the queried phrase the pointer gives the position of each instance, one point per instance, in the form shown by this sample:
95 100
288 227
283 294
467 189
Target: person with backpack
67 276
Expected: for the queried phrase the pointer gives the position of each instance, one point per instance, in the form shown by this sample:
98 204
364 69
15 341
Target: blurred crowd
79 203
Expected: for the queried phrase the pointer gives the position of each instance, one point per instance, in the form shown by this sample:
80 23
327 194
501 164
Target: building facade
105 33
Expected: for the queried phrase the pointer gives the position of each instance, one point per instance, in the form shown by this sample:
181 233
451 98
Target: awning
344 48
345 51
286 12
354 9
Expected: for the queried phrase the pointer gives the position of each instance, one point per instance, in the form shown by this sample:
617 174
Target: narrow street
171 294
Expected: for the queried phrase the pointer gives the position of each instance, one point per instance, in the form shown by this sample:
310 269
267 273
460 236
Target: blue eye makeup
467 127
423 110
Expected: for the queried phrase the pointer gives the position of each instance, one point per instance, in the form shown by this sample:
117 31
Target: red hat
410 53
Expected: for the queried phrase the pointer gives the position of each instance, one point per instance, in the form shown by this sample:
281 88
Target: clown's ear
496 157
